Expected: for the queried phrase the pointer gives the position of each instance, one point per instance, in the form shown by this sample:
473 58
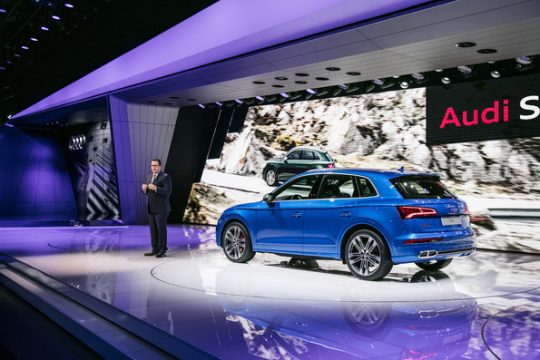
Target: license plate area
462 220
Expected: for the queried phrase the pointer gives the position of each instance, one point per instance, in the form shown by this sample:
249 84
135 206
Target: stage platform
486 306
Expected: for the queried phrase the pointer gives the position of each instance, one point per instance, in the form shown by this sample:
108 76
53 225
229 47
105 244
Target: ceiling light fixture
464 69
353 73
333 68
418 76
495 74
404 84
487 51
201 106
238 101
24 47
218 103
465 44
446 80
34 39
311 91
524 60
284 94
260 98
2 11
378 82
55 17
69 5
44 28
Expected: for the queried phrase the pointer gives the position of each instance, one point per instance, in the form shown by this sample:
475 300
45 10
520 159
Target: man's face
155 167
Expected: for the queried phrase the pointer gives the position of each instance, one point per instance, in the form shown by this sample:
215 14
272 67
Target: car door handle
346 214
296 215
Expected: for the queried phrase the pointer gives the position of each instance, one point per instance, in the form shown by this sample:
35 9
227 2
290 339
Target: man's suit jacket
158 201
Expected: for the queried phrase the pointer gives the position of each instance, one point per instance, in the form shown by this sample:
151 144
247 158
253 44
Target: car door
280 225
290 165
329 215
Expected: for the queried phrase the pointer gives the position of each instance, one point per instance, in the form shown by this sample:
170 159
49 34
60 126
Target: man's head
155 166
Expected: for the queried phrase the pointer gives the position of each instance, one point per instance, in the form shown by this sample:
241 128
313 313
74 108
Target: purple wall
34 180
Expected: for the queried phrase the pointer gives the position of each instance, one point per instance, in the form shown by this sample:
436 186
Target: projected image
500 180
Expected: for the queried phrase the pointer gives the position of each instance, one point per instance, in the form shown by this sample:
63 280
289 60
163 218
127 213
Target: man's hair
157 160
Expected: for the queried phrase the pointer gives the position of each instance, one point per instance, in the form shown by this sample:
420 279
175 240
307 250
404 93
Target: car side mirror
285 160
267 198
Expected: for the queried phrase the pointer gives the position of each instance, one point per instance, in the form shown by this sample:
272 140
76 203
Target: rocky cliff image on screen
500 180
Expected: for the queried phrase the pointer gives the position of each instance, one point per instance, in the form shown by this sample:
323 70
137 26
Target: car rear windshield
326 157
421 187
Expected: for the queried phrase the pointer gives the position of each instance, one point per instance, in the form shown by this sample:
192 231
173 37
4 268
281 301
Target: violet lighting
284 94
202 106
44 28
293 19
34 39
68 5
55 17
238 101
24 47
260 98
3 10
218 103
311 91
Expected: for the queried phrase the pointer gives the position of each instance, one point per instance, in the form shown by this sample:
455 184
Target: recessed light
439 70
418 76
486 51
238 101
44 28
258 82
446 80
69 5
260 98
302 74
2 11
300 82
277 86
218 103
201 106
24 47
17 55
524 60
55 17
495 74
311 91
465 44
404 84
378 81
281 78
34 39
321 78
173 97
353 73
464 69
284 94
191 99
333 68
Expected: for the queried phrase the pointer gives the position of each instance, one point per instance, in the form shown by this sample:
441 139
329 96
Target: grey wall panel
141 133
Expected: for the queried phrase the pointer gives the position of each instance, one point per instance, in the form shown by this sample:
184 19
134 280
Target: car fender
238 215
362 221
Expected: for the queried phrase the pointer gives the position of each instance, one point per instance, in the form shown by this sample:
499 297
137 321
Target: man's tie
153 178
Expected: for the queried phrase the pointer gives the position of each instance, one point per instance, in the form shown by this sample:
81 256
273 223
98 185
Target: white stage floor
486 306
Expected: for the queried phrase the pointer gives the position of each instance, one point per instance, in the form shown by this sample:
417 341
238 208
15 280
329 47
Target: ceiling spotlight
68 5
260 98
259 82
439 70
333 68
378 82
17 55
322 78
524 60
311 91
218 103
44 28
354 73
302 74
343 86
2 68
238 101
281 78
55 17
446 80
404 84
418 76
464 69
486 51
24 47
201 106
284 94
465 44
300 82
2 11
395 76
34 39
495 74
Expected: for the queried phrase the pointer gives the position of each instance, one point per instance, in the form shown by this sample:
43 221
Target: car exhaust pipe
427 254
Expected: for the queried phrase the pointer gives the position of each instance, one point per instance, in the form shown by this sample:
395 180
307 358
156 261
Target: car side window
309 155
299 189
295 155
337 187
366 187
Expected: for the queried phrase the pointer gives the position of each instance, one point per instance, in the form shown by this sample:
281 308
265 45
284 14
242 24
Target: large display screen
500 180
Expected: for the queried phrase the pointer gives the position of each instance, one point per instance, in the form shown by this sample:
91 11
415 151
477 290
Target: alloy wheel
364 254
235 242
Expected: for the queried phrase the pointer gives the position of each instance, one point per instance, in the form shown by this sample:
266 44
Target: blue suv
369 219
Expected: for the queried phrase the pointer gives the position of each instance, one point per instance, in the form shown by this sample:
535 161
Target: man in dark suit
158 189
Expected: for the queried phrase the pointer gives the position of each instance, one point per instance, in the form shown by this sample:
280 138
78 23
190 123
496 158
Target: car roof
367 172
307 148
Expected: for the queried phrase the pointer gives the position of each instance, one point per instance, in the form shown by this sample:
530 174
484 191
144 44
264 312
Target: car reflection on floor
400 330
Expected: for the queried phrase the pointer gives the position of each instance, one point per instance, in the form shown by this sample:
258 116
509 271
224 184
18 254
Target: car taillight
467 211
331 166
411 212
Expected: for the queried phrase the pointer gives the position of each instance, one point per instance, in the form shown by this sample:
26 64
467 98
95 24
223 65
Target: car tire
434 265
271 177
236 243
367 255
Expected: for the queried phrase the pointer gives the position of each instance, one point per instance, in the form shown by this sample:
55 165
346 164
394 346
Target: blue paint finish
318 227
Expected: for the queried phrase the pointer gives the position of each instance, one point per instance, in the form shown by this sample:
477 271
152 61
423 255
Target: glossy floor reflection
483 307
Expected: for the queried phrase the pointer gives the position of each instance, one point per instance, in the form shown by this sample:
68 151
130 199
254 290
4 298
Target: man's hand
144 187
152 187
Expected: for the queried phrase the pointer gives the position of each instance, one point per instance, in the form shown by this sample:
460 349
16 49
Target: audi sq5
369 219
